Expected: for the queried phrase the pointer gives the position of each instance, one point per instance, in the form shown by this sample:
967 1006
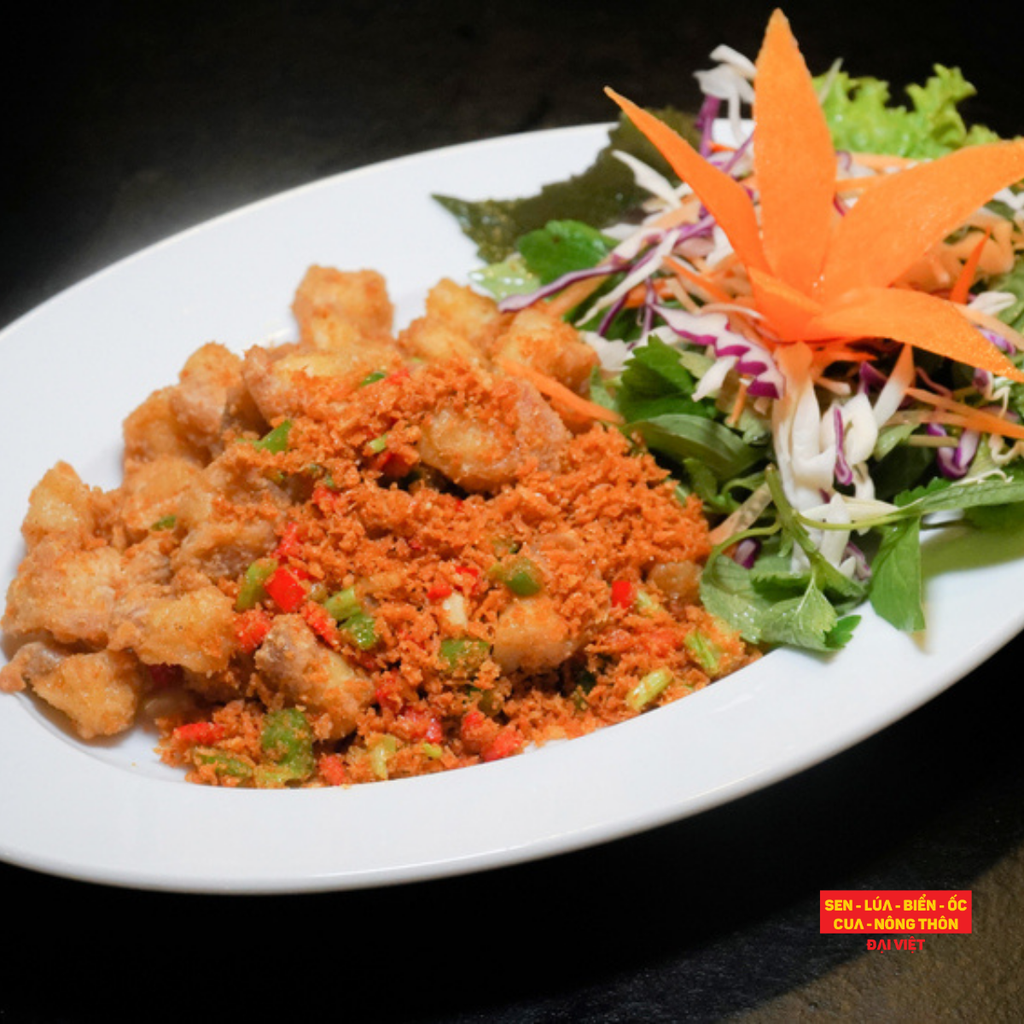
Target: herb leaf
896 588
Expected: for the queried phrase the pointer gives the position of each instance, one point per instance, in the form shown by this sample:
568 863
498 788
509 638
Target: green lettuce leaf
862 119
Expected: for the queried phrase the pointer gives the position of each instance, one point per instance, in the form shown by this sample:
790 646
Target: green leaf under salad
599 195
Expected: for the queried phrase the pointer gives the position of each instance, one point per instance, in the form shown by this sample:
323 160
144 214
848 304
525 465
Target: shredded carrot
559 393
962 287
687 212
700 280
571 297
738 405
636 297
674 288
968 416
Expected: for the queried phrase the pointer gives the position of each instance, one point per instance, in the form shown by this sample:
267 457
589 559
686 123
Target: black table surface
128 122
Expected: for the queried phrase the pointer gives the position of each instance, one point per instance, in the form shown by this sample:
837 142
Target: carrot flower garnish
825 277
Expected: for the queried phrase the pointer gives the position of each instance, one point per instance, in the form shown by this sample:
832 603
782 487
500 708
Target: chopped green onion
432 750
705 650
380 753
276 440
343 604
372 378
378 444
346 609
165 523
648 689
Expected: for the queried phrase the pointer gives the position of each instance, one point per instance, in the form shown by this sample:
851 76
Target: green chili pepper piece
287 740
251 591
343 604
362 629
224 764
463 654
521 575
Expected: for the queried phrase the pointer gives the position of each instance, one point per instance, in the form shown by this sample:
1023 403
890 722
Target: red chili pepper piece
506 743
320 621
421 724
203 733
289 545
251 629
623 593
439 592
332 769
286 589
388 697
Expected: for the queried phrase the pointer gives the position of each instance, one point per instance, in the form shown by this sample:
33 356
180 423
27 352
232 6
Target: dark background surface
125 123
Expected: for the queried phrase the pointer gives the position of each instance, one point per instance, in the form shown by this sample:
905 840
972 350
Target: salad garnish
822 342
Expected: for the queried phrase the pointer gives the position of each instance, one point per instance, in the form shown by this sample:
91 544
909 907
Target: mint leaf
562 246
896 587
682 436
806 619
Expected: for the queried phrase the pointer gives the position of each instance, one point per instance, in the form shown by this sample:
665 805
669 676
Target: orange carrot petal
897 220
787 309
724 197
915 318
794 160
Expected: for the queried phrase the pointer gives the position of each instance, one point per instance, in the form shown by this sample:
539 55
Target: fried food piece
292 661
60 504
548 345
64 590
211 398
533 636
356 298
195 630
152 430
154 491
99 692
483 454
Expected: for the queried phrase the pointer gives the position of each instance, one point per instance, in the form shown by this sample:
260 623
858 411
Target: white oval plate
111 813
